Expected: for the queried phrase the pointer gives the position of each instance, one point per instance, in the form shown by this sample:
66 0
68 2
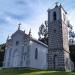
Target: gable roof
18 31
39 42
31 38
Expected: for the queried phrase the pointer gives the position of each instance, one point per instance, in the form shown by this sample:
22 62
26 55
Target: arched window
36 53
17 43
54 15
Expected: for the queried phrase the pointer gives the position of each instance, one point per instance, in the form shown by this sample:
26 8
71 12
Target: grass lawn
33 72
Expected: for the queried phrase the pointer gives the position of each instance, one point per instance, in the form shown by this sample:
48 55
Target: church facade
24 51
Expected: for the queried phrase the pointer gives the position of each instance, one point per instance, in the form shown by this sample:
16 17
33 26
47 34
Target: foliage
43 30
72 52
2 49
44 40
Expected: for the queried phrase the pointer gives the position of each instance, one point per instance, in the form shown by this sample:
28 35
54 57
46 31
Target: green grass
33 72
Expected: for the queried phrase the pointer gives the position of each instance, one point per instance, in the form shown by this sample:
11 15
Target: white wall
41 62
15 56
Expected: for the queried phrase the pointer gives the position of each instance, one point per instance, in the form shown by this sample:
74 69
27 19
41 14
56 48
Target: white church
23 51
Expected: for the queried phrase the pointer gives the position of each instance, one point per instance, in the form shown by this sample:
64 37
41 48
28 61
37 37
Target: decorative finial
8 37
19 26
24 31
30 32
56 3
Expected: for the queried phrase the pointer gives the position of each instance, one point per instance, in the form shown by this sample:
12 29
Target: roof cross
19 26
56 3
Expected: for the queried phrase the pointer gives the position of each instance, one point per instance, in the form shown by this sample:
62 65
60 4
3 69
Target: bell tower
58 44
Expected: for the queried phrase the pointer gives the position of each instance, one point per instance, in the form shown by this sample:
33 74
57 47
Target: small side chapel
22 50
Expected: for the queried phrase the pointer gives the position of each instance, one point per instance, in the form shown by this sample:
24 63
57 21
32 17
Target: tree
72 53
2 51
71 33
72 36
43 32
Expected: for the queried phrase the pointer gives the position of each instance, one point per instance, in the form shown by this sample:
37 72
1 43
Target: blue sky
31 13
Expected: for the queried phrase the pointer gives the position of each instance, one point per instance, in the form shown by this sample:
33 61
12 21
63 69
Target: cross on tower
56 3
19 26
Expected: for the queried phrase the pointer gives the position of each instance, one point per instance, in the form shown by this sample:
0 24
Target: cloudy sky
31 13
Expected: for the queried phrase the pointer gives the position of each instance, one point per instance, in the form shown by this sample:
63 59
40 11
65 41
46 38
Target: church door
55 61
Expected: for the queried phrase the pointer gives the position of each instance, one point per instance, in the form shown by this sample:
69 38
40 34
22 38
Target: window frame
17 43
54 16
36 53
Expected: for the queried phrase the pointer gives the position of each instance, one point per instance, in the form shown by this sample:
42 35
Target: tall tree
43 32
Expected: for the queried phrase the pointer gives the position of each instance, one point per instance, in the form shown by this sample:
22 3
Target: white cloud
72 18
31 13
